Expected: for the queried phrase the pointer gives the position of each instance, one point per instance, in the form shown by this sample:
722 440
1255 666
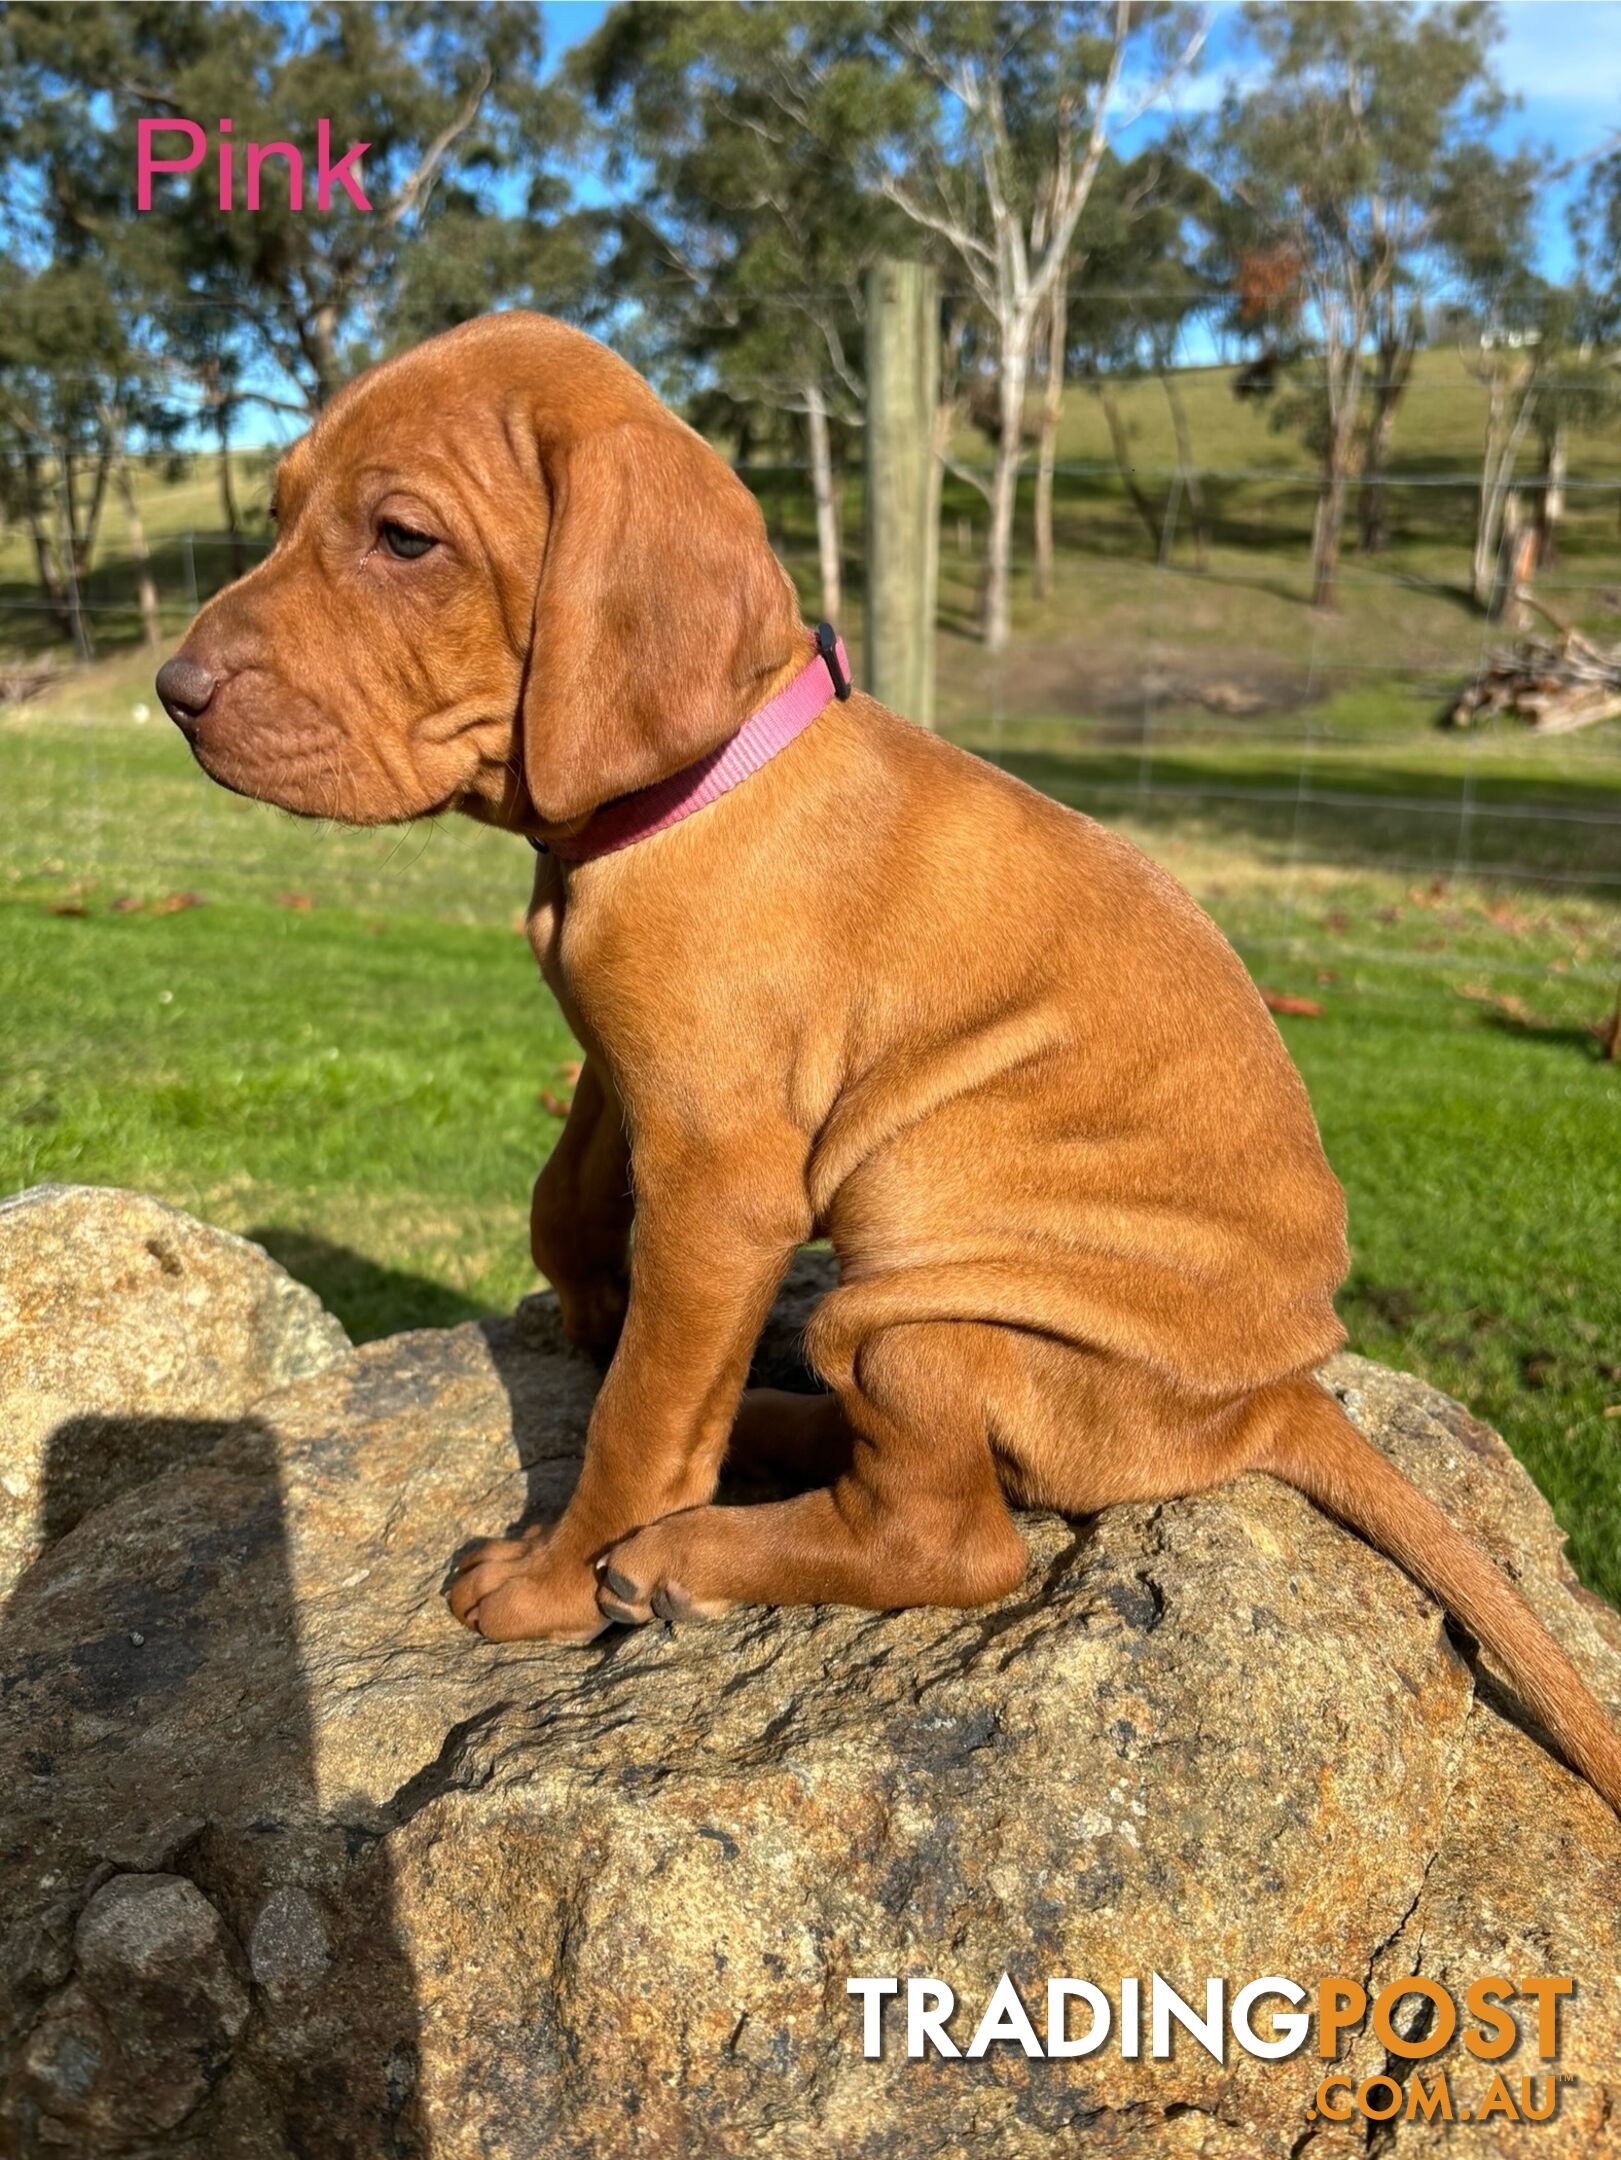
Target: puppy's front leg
581 1212
714 1236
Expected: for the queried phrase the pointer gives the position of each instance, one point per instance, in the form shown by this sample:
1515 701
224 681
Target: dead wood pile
1555 685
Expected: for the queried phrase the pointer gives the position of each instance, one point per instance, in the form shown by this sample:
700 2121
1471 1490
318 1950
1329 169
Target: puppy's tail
1316 1448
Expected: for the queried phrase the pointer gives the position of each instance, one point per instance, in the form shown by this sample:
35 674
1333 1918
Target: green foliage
743 244
1357 173
1365 142
1596 230
449 100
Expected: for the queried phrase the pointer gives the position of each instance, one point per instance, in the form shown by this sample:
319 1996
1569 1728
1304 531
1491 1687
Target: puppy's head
505 578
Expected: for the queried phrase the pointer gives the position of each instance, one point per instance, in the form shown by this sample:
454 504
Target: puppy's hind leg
917 1517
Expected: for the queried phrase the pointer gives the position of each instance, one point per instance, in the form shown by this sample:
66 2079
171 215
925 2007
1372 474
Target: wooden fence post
903 557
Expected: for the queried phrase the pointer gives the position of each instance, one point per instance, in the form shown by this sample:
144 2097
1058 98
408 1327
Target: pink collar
634 817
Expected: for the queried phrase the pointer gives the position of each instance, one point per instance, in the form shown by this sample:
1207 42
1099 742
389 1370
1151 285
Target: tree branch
418 185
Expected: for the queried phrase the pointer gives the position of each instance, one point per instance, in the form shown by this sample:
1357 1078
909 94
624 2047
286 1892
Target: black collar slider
827 644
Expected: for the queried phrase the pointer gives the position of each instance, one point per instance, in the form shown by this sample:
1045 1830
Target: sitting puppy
833 977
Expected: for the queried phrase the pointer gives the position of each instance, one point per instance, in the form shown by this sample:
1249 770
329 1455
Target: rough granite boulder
130 1335
293 1866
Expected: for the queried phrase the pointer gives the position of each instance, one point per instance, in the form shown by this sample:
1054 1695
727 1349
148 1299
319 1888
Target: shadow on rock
213 1967
369 1299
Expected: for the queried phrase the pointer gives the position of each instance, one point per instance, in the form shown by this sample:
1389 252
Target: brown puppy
880 992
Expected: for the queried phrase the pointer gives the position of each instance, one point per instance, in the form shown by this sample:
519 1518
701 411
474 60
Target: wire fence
1284 761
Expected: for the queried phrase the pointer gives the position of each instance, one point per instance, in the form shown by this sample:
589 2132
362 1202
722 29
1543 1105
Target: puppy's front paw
519 1590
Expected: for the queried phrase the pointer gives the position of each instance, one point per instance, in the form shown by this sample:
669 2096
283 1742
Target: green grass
358 1081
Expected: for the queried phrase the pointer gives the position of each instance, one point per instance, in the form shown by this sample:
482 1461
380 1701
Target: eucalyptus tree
458 126
1595 221
1136 289
1018 106
739 135
1361 160
78 373
74 385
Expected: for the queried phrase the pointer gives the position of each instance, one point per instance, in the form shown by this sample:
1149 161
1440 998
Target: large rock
528 1901
130 1335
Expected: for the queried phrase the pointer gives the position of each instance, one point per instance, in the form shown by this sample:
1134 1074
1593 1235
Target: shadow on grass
1353 811
1526 1027
369 1298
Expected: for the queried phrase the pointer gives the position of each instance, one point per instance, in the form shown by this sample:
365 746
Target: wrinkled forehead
424 431
480 401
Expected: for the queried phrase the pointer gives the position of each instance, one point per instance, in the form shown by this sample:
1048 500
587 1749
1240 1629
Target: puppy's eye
407 545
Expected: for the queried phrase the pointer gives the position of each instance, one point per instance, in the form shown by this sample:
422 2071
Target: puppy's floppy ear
660 618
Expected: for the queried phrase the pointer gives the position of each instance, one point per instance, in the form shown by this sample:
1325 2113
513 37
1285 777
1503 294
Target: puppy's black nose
185 689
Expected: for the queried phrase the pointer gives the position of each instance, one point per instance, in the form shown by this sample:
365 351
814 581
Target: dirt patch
1125 686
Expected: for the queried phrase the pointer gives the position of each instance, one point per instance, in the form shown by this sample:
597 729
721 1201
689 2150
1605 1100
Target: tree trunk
1152 524
945 414
84 540
319 339
1375 505
1498 459
52 586
1516 561
50 583
1396 348
1328 525
1191 490
146 591
827 507
228 508
1052 407
996 605
1551 495
1486 508
67 554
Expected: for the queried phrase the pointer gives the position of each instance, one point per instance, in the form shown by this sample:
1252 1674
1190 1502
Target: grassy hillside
1122 633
